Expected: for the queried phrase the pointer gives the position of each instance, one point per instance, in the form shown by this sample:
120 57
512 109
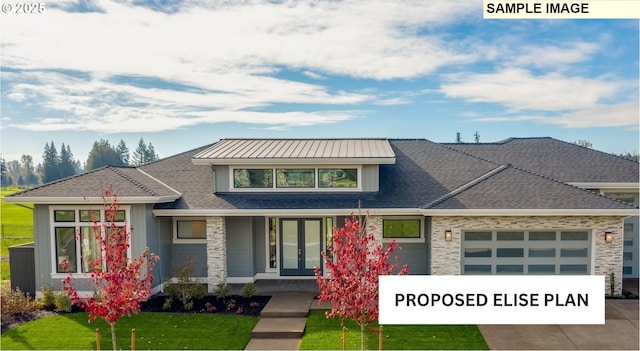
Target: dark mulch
209 304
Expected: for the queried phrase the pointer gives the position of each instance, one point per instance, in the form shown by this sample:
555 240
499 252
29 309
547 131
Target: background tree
143 154
121 284
103 154
458 138
5 178
49 163
27 170
66 165
476 137
352 286
123 151
584 143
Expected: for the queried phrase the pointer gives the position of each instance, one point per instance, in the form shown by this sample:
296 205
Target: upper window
401 229
295 178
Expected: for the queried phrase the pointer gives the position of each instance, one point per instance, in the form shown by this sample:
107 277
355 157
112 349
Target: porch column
216 252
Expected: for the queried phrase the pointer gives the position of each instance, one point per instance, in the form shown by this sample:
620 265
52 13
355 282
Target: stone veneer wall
446 256
216 251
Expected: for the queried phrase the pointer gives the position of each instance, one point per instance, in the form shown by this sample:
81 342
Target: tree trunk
113 335
362 336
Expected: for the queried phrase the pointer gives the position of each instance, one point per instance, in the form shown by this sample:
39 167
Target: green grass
16 225
154 331
322 333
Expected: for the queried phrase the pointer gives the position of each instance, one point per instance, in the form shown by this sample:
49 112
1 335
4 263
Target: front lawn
325 334
154 331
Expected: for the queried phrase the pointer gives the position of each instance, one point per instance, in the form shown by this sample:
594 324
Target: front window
401 229
77 245
192 229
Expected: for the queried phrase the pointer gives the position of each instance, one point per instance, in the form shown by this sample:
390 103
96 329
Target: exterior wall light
608 237
448 235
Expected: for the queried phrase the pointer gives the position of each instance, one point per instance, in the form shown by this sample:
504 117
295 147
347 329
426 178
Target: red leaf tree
119 283
352 285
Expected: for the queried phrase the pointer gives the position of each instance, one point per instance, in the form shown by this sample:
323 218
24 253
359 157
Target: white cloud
554 56
619 115
229 54
518 89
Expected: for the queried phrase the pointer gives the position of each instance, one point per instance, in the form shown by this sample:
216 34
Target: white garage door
526 252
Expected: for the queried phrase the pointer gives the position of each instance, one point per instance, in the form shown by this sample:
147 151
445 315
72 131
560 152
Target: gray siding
370 177
221 180
239 247
164 247
181 253
259 243
43 250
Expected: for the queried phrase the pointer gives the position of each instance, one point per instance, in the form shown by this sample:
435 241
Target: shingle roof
234 151
426 175
557 159
126 181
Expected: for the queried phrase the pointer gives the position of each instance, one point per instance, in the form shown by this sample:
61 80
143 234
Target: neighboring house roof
562 161
131 184
298 151
426 178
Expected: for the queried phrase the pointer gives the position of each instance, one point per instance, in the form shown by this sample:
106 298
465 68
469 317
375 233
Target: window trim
77 224
276 167
174 234
419 239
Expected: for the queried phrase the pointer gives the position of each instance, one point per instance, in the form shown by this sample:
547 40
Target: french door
300 243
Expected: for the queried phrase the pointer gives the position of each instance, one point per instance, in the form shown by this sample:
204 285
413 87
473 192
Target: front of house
248 209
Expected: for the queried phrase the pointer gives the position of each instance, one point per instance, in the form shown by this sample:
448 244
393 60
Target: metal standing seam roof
300 151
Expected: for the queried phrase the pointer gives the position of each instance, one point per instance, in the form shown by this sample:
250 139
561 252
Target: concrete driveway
620 332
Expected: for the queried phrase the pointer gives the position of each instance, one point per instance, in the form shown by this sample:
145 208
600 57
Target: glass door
300 246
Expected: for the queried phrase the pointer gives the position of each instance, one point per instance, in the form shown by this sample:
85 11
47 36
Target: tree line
60 164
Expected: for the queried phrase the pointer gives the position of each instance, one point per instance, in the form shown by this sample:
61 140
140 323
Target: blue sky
183 74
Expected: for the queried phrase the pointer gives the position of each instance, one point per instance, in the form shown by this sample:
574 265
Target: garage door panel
526 252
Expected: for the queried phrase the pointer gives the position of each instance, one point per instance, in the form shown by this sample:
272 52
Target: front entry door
300 245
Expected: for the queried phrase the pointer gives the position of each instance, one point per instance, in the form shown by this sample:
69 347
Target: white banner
545 9
433 299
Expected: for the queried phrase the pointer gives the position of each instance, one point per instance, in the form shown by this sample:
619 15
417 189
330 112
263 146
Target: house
250 209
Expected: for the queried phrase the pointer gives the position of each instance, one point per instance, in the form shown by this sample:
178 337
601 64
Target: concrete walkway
282 322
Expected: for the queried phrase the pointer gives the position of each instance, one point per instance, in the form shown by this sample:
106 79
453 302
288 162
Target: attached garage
526 252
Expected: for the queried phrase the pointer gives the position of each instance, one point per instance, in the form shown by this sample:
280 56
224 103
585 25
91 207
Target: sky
183 74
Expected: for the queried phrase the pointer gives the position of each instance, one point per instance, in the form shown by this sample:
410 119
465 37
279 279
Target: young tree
352 286
120 284
476 137
458 138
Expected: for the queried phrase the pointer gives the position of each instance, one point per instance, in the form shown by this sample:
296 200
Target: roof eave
531 212
77 200
294 161
286 212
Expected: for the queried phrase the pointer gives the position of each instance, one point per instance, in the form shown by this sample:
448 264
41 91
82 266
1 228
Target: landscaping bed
233 304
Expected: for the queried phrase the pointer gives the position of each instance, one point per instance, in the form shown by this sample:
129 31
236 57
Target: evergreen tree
476 137
50 171
144 154
5 178
27 170
66 166
103 154
458 138
123 151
